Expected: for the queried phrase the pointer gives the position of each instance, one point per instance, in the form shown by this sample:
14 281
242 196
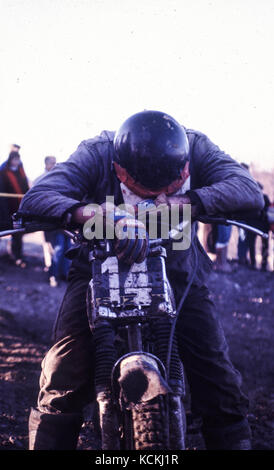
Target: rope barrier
11 195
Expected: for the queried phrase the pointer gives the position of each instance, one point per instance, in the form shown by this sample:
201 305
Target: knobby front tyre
149 423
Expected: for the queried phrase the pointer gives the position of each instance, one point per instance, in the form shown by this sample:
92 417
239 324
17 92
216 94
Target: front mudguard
141 379
142 384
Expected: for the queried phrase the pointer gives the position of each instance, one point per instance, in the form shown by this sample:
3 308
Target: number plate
118 285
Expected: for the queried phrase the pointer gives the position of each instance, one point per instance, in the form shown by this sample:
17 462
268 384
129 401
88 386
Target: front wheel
155 426
154 413
150 424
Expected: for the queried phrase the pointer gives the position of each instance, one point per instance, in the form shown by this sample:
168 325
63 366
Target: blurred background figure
261 222
14 148
242 247
50 162
48 237
242 239
60 265
13 181
55 243
216 239
4 211
223 233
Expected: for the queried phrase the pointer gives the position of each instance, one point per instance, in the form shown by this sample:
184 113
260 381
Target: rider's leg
48 431
215 384
66 381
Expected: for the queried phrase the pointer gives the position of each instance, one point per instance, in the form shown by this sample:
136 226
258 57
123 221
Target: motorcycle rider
154 157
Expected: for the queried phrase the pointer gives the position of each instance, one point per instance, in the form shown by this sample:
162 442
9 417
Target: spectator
260 222
5 222
223 234
242 247
48 237
14 181
55 243
59 263
50 162
242 240
14 148
270 216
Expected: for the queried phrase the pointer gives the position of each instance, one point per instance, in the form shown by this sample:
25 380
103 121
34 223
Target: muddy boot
237 436
53 431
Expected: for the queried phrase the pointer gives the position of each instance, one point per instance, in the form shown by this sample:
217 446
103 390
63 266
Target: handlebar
223 221
35 226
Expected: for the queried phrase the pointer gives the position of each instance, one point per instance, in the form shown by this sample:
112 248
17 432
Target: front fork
140 378
105 358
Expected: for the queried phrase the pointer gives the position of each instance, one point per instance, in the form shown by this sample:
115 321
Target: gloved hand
194 200
131 242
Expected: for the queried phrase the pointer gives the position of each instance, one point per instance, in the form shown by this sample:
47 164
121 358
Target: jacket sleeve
224 186
64 186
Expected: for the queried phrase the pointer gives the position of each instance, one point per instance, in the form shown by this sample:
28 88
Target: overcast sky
71 68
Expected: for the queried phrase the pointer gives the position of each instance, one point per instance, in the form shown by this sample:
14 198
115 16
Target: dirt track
28 306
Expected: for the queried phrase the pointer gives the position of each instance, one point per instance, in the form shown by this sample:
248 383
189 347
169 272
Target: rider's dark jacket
217 181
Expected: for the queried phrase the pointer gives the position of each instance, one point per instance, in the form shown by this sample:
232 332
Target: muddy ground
28 306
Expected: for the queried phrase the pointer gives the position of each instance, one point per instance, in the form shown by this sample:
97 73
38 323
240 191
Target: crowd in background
219 237
14 184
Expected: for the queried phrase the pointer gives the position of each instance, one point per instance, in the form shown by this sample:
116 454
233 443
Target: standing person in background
221 247
242 247
270 219
14 181
5 222
15 148
242 240
55 243
60 265
260 222
48 237
50 162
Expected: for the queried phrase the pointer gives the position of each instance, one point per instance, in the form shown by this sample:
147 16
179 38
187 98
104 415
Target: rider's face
15 162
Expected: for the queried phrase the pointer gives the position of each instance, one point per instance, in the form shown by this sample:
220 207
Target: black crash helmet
151 152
